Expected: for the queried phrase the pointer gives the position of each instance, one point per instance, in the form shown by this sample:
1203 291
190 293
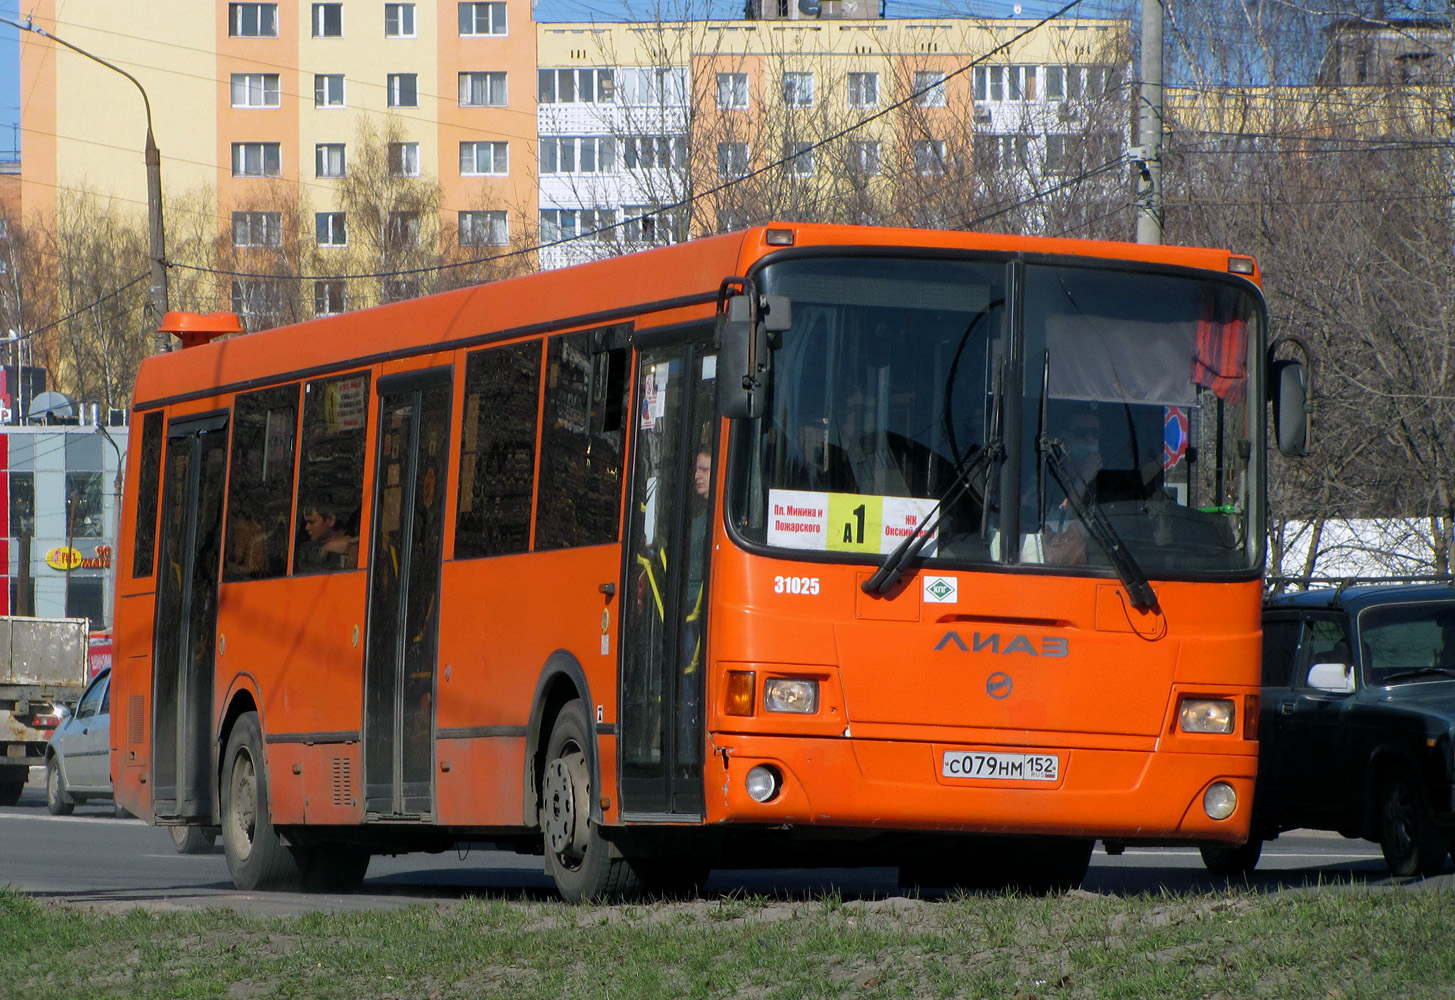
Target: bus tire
192 839
1232 860
57 799
1411 842
584 865
12 784
256 855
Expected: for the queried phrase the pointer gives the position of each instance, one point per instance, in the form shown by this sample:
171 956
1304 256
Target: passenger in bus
330 545
1063 540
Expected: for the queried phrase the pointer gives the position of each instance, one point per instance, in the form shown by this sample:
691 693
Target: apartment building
627 134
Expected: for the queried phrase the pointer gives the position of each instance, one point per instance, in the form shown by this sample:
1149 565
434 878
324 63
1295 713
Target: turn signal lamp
1207 715
1252 705
790 694
739 697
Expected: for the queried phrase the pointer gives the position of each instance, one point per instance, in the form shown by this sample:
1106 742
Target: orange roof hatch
196 329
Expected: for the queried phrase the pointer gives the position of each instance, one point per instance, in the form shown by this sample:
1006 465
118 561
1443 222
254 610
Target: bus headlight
1219 800
1207 715
790 694
762 783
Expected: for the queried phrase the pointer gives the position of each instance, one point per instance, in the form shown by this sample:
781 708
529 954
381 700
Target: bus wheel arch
562 681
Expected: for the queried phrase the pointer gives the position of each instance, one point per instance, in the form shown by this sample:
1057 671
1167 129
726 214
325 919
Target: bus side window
331 474
260 484
498 452
148 495
581 444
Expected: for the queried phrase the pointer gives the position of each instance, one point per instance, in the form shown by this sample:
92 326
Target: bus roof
671 284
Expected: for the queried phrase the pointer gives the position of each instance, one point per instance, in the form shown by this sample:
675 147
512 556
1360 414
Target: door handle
1286 708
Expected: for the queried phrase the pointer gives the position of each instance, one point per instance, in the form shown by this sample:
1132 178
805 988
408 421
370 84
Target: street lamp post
158 237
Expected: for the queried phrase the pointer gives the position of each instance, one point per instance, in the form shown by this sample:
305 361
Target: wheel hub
566 791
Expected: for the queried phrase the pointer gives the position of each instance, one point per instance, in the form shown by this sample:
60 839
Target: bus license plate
1001 766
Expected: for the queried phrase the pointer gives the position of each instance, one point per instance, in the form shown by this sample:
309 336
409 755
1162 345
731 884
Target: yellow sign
66 558
63 558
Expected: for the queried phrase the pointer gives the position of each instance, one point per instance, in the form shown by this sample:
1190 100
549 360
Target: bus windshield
895 389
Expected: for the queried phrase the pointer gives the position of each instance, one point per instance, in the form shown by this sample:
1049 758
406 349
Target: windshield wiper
887 575
1139 589
1404 675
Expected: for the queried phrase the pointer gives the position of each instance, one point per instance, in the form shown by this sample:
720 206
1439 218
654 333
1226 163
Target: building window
652 87
328 90
255 90
403 90
257 229
481 158
577 154
404 159
653 152
988 83
645 224
929 89
863 90
798 90
484 229
328 20
1003 83
586 224
732 159
259 301
864 158
257 159
482 90
482 19
84 516
252 20
996 151
798 158
330 229
328 298
732 90
399 20
401 230
328 160
929 157
1076 82
575 86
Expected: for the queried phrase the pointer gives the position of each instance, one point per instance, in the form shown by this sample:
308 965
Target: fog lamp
1208 715
763 782
1219 800
790 694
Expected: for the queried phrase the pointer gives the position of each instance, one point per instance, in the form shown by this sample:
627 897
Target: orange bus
800 545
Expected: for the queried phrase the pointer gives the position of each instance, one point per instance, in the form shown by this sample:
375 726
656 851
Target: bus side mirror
744 375
1288 392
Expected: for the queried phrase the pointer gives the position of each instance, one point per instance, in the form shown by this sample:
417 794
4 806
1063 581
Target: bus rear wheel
256 855
584 865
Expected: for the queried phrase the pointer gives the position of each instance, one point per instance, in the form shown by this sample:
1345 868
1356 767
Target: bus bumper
1124 795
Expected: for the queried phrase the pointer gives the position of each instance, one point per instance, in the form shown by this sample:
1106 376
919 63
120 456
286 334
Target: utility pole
1149 127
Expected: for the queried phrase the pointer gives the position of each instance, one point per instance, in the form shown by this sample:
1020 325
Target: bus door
663 644
402 643
186 622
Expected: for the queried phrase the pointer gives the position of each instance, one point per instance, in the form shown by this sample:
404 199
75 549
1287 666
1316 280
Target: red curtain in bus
1220 362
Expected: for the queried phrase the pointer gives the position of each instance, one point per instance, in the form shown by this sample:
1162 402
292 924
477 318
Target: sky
9 82
590 10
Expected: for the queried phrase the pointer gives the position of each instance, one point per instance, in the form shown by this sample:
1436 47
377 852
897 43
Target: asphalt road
95 860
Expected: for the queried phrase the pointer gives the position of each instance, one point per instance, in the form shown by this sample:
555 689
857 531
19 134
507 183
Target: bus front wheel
256 855
583 863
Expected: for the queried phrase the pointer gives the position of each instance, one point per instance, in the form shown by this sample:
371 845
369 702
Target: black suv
1357 726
